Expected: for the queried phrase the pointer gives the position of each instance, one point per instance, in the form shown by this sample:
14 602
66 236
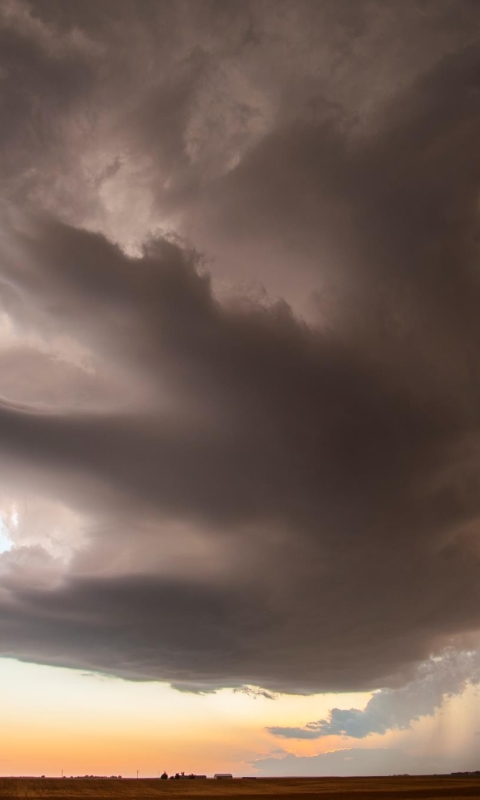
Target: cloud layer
239 341
395 709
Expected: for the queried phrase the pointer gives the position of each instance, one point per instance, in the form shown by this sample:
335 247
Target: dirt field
427 788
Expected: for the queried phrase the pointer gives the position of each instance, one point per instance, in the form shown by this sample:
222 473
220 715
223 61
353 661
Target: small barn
223 775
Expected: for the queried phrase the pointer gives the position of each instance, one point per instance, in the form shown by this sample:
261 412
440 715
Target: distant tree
164 776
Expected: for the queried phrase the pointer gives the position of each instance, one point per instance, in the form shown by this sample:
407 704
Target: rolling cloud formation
239 376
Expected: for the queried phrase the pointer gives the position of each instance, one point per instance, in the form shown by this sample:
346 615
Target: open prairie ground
425 787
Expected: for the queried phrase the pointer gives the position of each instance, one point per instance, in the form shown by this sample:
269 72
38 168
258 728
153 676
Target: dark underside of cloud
315 475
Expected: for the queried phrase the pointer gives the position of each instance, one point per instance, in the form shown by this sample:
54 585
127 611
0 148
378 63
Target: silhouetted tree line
465 774
179 776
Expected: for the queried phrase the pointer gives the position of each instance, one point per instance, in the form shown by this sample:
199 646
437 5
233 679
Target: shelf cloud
239 345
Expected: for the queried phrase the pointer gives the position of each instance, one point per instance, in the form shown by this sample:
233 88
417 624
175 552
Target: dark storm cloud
282 430
324 474
46 79
277 409
153 631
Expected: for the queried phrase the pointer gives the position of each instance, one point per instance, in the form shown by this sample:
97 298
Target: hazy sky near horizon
239 385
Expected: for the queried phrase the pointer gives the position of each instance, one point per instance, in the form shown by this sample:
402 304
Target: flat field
425 787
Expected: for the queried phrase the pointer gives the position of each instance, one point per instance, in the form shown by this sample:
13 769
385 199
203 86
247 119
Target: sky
239 386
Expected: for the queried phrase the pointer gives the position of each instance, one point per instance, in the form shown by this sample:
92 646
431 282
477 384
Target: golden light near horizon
58 719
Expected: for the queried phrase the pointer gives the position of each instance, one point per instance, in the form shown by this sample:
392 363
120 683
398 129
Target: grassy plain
396 788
